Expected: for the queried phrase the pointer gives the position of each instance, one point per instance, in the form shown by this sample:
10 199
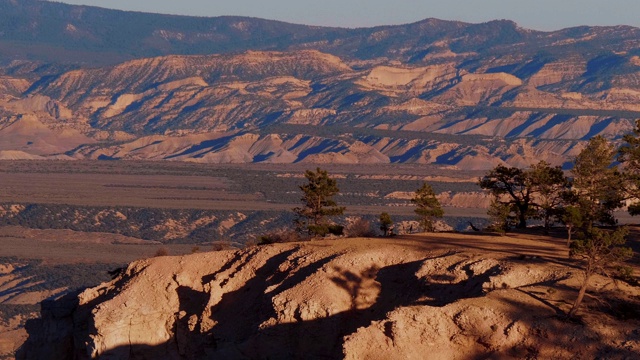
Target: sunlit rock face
346 298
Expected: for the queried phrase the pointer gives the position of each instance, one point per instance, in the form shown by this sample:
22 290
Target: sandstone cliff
439 297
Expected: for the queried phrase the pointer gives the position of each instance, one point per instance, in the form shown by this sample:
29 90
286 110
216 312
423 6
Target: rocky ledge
446 296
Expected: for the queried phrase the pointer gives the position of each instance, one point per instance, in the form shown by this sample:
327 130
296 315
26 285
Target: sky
533 14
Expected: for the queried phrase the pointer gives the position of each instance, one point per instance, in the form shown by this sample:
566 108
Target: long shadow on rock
58 345
64 326
240 312
322 338
239 260
241 318
190 339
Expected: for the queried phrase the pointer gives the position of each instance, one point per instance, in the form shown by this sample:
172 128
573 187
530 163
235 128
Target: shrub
226 244
360 228
499 214
318 230
282 236
337 230
161 252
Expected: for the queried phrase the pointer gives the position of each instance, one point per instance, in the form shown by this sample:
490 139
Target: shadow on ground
242 329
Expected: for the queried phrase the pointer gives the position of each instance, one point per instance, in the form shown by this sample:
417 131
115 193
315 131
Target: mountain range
84 82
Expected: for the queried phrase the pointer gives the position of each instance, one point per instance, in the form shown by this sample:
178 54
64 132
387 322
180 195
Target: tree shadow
239 259
190 339
322 338
354 284
238 314
552 335
242 323
243 319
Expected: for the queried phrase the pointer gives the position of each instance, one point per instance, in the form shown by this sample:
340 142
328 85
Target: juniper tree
532 193
427 207
317 202
511 186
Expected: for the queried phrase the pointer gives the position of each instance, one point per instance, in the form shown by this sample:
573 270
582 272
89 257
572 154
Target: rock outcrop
355 298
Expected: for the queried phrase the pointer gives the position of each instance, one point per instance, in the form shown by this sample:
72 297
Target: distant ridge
62 33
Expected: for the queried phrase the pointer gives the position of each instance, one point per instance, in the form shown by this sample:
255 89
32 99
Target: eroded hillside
449 296
236 90
306 106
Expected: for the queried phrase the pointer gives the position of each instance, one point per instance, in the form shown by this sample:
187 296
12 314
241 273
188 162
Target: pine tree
427 207
499 213
572 219
549 185
599 250
386 223
597 186
318 203
629 155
